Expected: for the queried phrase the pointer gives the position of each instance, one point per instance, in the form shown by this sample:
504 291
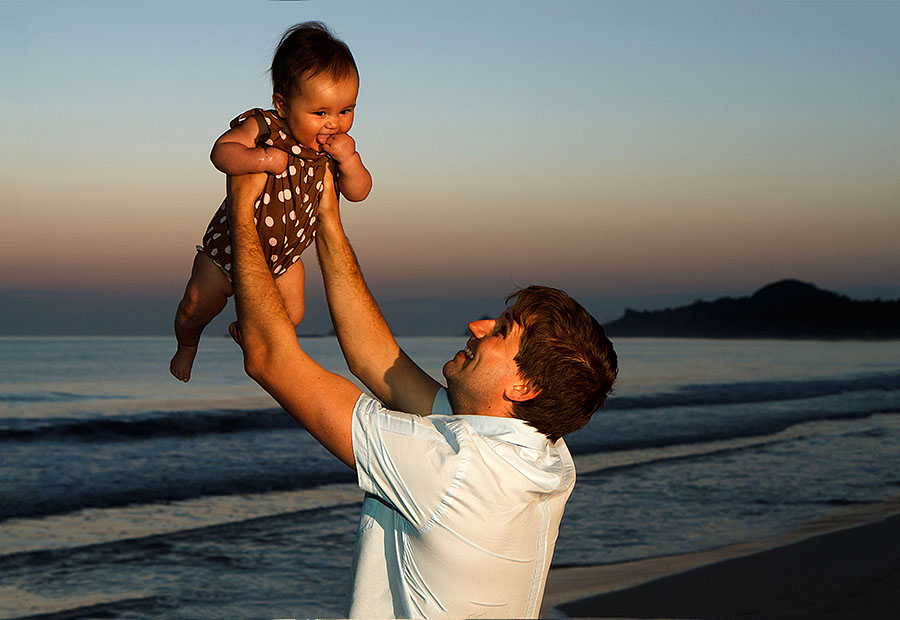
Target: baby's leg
290 284
205 296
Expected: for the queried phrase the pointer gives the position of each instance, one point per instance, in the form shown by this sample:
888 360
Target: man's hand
339 145
243 191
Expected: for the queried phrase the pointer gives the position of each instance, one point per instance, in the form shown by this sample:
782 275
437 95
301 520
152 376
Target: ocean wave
50 396
755 392
593 463
189 423
173 484
694 424
27 542
19 604
150 425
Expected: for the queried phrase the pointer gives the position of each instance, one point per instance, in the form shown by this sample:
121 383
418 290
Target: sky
635 154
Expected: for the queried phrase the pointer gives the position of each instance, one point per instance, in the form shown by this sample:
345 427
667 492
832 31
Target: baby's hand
339 145
276 161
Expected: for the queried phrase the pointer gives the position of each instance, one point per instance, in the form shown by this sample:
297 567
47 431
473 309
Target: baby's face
324 107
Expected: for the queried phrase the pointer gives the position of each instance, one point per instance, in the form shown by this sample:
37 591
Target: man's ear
522 391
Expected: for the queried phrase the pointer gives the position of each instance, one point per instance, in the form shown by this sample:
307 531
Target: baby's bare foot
182 361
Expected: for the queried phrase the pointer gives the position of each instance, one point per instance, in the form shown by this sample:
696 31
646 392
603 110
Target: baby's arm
236 153
356 182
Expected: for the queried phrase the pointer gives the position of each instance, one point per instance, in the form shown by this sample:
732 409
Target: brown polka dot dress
286 212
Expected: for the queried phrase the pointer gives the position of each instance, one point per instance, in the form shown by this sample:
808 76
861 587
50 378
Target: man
462 508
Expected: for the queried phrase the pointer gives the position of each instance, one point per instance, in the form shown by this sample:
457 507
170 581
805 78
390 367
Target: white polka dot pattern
286 213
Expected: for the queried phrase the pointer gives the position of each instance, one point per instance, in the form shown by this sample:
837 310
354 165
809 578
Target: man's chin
451 370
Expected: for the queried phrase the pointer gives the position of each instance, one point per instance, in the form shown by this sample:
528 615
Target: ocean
126 494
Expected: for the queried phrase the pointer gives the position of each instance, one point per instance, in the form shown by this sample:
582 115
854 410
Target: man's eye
319 113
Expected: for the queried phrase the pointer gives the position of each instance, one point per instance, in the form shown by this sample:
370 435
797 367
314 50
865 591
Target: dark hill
785 309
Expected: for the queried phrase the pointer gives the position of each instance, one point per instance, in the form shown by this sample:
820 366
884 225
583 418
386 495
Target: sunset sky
631 153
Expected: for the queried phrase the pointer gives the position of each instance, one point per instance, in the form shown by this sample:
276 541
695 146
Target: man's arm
368 345
322 402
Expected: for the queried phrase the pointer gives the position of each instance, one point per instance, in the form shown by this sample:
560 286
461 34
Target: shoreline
577 591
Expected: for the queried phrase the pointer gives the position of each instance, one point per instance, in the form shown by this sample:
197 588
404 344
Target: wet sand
846 565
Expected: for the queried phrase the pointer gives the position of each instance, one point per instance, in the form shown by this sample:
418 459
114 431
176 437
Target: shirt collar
512 430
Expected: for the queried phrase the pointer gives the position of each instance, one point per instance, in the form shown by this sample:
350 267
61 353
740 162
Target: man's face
479 375
324 107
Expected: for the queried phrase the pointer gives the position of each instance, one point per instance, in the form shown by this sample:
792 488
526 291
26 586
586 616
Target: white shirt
460 517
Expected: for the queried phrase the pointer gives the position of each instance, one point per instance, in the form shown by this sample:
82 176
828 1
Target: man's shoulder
370 412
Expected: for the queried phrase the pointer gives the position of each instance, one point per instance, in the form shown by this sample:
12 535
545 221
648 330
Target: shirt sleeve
413 463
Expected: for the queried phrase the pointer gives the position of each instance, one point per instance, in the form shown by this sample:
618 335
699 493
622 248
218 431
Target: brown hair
306 50
565 353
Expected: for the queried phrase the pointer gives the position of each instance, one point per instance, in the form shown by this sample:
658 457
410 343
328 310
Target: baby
314 88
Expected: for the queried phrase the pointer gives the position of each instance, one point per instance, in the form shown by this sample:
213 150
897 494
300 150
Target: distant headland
784 309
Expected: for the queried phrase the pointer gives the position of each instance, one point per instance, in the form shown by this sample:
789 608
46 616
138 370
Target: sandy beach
846 565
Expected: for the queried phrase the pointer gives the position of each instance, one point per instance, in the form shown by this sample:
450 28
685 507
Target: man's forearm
321 401
263 318
357 320
369 347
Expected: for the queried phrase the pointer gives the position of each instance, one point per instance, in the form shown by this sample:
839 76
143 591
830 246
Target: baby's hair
306 50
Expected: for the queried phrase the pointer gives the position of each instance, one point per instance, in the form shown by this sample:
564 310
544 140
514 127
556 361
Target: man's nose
481 327
331 122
